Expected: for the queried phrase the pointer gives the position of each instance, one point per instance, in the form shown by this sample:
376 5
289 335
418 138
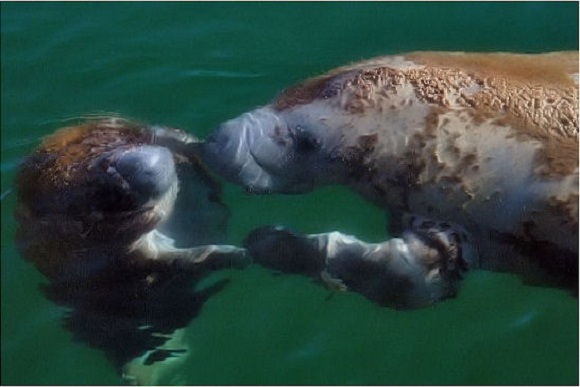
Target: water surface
193 65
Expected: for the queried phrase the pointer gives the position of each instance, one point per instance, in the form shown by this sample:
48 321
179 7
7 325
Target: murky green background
192 65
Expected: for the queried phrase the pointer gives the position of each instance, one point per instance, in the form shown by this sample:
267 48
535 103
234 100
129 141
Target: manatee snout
240 155
147 172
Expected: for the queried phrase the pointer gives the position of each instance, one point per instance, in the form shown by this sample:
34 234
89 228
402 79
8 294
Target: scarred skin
123 222
487 142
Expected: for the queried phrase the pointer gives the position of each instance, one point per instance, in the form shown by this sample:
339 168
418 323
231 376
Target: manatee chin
263 152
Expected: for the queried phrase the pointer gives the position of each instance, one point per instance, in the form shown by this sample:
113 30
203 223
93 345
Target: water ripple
4 194
525 319
200 73
20 142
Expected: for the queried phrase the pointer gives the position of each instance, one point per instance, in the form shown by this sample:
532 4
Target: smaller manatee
123 221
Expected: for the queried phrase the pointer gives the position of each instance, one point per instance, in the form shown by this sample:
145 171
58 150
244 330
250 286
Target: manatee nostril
149 170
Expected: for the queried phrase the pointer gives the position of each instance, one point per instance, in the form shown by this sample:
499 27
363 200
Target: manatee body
101 210
488 142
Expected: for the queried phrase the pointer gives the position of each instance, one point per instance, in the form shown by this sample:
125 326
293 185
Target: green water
193 65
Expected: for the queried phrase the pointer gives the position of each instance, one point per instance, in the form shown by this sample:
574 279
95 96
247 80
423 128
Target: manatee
123 222
486 142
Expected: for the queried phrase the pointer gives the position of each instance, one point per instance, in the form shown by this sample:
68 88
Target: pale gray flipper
422 267
198 260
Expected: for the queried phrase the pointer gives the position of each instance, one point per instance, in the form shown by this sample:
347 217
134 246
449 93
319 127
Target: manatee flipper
418 269
196 260
207 258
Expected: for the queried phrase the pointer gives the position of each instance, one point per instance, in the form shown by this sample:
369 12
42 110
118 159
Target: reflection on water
126 316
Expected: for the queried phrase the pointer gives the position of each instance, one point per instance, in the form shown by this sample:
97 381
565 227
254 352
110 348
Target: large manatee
124 223
485 141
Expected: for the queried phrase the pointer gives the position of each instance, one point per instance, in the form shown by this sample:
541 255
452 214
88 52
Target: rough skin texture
487 141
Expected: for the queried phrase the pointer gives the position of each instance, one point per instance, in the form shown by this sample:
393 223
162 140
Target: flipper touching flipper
418 269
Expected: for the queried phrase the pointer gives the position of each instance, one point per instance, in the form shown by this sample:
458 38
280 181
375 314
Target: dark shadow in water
124 315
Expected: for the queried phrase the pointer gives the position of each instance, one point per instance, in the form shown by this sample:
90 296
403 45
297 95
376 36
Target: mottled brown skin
59 208
487 141
533 94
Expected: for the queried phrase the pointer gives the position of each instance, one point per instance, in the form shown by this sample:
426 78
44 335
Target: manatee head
89 191
106 169
268 151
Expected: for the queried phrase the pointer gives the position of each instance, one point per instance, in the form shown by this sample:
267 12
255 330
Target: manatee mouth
232 157
250 159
